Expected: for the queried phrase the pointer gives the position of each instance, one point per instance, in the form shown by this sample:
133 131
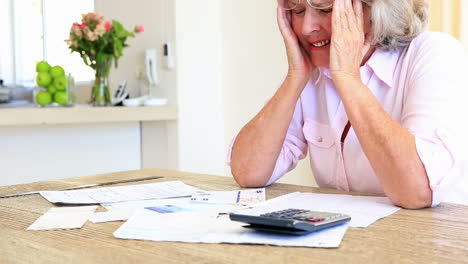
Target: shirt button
320 139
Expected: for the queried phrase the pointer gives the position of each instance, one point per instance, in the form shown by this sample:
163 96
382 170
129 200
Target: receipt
58 218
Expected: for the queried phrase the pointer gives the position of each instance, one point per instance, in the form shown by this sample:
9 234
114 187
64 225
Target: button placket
341 177
341 121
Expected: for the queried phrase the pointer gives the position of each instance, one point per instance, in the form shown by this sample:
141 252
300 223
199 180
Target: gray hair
395 23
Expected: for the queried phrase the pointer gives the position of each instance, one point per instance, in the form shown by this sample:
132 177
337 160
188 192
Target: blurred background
229 59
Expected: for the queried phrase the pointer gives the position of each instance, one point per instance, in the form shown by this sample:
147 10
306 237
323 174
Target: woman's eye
299 11
326 11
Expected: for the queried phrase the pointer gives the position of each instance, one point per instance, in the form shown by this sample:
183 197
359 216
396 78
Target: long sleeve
435 111
294 147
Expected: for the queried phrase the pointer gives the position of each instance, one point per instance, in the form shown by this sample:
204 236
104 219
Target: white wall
157 16
195 85
230 61
229 58
199 84
254 63
158 19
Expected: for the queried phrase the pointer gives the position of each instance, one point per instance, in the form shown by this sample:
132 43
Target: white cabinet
54 143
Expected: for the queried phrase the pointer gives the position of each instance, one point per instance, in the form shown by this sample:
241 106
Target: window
36 30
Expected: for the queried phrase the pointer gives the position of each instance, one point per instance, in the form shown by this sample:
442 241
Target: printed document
209 228
123 210
159 190
63 218
245 197
364 210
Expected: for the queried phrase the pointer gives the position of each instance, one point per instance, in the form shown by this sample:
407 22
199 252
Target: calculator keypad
304 215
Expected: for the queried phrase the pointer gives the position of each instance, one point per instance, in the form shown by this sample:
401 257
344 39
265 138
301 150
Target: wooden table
438 235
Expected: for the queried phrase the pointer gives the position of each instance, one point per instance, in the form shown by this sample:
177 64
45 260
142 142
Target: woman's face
314 29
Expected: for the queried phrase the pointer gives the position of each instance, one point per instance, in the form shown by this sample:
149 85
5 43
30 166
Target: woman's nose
311 22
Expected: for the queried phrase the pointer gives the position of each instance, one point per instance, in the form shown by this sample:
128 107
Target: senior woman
377 100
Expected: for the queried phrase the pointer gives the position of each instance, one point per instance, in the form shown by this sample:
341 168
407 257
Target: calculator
291 221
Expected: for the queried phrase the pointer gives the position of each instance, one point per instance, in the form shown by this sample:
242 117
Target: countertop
28 114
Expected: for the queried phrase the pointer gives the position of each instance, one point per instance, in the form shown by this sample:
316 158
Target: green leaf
119 29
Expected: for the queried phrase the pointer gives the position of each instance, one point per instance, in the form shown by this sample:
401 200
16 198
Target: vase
100 92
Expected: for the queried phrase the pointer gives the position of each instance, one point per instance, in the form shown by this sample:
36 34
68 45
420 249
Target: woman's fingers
336 18
359 13
349 12
342 14
285 25
299 63
280 17
348 41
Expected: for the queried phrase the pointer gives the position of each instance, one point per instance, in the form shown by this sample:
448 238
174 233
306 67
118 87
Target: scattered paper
168 209
63 218
172 206
170 227
364 210
208 228
111 216
157 190
245 197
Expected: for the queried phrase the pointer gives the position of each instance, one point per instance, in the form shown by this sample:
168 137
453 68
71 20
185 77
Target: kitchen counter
82 114
56 142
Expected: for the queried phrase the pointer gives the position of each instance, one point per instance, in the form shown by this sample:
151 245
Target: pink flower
93 36
94 17
76 29
72 43
100 29
90 35
108 25
139 29
98 17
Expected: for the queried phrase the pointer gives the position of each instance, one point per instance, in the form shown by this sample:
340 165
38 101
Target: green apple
61 97
44 98
57 71
43 79
60 83
52 89
42 66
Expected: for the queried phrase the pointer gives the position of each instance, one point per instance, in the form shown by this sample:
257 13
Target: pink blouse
423 87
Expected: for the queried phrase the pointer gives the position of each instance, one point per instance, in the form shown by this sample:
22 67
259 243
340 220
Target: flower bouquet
100 43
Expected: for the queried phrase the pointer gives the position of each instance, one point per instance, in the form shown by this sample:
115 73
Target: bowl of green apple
53 86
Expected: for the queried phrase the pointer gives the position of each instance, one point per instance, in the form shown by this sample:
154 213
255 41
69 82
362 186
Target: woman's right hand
300 66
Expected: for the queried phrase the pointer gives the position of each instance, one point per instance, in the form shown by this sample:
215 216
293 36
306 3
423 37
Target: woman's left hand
348 41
